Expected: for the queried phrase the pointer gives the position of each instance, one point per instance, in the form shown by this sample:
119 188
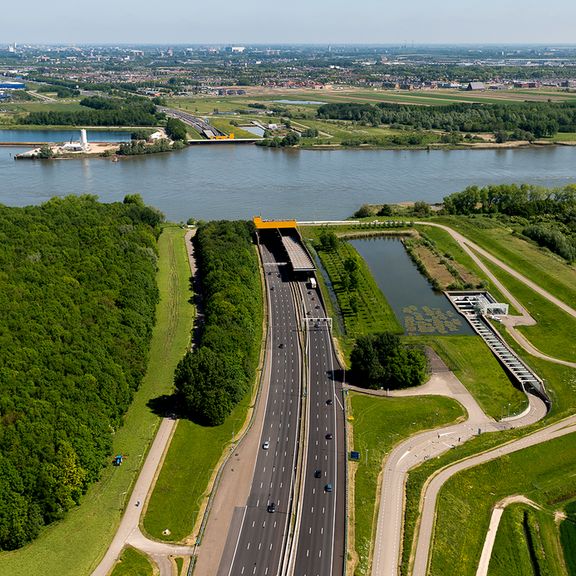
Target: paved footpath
426 445
561 428
129 530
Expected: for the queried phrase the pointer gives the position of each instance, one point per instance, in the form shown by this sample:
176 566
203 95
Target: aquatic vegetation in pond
427 320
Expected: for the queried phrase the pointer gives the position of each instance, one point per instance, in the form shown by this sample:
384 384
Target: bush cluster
382 361
524 120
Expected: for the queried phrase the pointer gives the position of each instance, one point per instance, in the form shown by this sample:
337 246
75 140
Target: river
58 136
240 181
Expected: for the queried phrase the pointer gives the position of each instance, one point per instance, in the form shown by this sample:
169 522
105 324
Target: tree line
549 215
219 372
98 111
77 309
526 120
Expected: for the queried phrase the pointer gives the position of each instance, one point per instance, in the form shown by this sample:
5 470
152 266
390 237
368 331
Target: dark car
328 488
329 401
329 436
318 474
272 507
281 345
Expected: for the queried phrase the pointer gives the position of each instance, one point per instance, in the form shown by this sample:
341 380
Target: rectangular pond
417 306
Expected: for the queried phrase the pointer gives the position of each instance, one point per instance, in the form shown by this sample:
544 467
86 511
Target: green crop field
373 313
132 563
472 493
379 424
88 529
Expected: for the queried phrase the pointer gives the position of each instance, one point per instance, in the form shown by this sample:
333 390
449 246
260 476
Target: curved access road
524 318
426 445
556 430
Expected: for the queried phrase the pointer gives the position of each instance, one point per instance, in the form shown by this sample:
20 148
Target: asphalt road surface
319 549
259 549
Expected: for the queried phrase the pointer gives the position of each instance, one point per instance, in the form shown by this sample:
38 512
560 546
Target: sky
289 22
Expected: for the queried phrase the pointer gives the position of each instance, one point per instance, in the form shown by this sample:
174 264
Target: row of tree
524 120
219 372
77 304
99 111
514 200
549 213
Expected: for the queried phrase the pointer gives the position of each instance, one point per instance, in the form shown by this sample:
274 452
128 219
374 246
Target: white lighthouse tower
84 140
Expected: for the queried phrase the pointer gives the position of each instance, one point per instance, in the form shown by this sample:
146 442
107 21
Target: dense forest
383 361
522 121
219 372
77 304
548 216
99 111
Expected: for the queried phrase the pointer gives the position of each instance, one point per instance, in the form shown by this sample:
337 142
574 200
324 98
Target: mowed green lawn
132 563
379 424
544 473
555 329
74 546
182 485
527 542
539 265
477 368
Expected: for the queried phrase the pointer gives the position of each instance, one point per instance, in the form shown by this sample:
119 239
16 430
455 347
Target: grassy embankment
527 542
379 424
182 487
132 563
548 483
539 265
477 368
561 383
89 528
554 332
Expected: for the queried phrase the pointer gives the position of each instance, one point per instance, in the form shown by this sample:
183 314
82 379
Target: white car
266 445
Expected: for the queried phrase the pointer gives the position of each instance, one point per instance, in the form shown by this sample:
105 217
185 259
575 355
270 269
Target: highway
319 549
197 123
261 541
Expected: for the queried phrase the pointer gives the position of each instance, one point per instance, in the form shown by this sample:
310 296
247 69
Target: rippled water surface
239 181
